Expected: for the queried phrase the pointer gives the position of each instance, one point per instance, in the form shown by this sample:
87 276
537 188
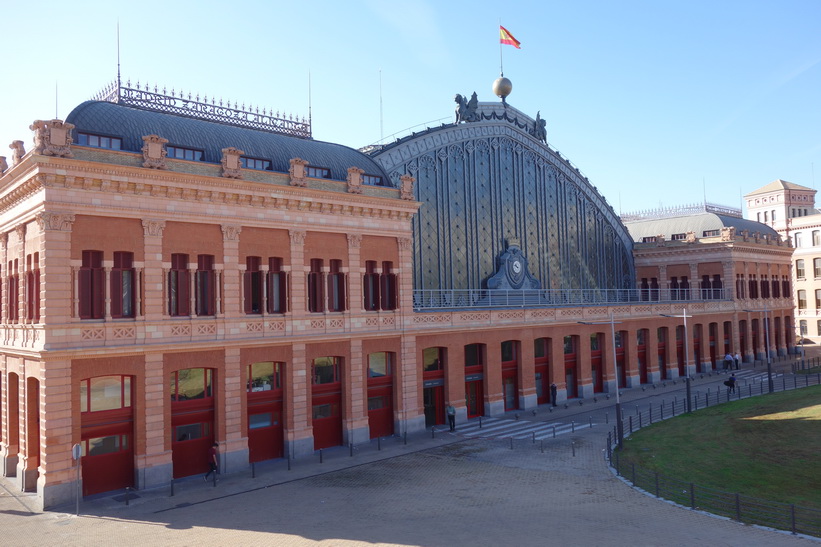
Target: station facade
174 277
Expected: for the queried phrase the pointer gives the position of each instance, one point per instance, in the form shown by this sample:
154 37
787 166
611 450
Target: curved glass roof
131 124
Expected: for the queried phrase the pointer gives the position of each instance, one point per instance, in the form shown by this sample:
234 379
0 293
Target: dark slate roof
131 124
698 223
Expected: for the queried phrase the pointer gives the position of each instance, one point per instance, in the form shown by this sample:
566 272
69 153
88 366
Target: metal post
320 455
350 448
573 445
172 488
554 431
591 421
127 495
572 426
534 437
688 394
253 471
511 443
379 443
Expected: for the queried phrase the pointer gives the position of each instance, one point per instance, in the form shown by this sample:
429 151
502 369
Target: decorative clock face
517 266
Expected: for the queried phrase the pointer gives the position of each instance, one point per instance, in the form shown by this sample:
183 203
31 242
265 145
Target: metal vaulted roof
698 223
131 124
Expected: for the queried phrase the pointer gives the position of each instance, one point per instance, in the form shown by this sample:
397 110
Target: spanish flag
506 37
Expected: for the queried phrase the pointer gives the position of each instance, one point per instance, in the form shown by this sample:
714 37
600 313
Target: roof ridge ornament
189 105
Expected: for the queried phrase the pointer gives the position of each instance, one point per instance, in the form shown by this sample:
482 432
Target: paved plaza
450 489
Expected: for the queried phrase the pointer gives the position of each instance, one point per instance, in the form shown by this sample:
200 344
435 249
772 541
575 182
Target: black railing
739 507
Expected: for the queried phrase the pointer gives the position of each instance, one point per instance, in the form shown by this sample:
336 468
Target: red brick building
175 274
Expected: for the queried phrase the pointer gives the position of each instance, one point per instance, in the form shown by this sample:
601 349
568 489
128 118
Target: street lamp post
684 316
619 424
766 310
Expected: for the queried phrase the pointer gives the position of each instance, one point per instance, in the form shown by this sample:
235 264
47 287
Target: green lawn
767 447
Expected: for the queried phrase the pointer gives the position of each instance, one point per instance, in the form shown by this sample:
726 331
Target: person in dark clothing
213 462
553 394
731 384
451 412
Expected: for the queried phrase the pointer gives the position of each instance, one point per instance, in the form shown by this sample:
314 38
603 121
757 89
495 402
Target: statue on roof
539 129
466 111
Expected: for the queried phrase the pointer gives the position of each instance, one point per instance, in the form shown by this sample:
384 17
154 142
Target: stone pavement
446 490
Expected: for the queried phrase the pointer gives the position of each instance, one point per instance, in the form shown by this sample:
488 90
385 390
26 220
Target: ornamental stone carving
153 227
154 152
230 232
355 180
18 150
58 222
406 187
660 240
728 233
297 237
298 172
690 237
405 243
52 138
231 164
3 165
354 241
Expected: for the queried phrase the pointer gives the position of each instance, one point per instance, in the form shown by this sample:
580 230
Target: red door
380 411
327 420
107 457
265 431
474 399
510 388
434 401
642 355
192 436
596 371
542 384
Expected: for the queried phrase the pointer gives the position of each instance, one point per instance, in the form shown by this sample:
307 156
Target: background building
177 272
790 210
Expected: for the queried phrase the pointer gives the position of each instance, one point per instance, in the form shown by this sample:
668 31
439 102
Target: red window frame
388 286
316 288
33 287
179 286
123 299
91 286
252 286
336 287
370 286
277 286
206 277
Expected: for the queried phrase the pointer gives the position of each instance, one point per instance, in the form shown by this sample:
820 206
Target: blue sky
657 102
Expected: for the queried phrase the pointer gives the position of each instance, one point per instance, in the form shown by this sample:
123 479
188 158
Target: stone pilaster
234 450
299 439
154 281
58 411
298 307
355 422
355 273
527 374
409 407
232 280
154 463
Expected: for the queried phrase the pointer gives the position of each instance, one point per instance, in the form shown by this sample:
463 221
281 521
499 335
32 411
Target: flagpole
501 63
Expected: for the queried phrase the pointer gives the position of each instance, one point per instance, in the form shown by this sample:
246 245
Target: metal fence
746 509
496 298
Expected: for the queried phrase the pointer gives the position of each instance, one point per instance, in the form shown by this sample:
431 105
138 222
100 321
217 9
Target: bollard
432 432
630 420
541 445
511 443
480 422
289 461
637 410
350 448
379 443
662 410
591 421
640 426
320 455
650 411
215 479
554 431
253 471
572 427
606 418
406 437
172 488
127 495
573 444
534 437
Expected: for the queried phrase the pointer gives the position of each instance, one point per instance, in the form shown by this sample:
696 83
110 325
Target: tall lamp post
770 386
619 424
684 316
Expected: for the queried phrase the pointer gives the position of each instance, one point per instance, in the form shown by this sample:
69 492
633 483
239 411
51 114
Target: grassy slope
776 457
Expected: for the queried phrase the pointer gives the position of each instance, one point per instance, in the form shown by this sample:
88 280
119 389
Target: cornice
125 180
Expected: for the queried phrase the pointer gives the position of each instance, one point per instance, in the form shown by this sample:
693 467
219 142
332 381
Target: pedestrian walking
451 411
737 360
553 394
730 384
213 463
728 361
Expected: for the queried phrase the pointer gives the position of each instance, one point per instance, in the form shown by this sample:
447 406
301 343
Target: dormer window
180 153
255 163
99 141
678 237
318 172
372 180
710 233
